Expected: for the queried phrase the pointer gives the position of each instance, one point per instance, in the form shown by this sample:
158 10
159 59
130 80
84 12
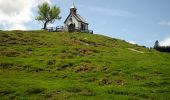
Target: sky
136 21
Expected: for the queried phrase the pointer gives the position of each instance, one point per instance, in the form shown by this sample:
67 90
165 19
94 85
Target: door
71 27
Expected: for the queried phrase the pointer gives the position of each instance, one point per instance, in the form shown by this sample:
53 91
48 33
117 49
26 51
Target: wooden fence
61 29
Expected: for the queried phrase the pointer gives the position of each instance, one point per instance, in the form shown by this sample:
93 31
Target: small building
74 22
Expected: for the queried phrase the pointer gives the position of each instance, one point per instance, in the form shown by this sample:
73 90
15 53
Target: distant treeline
161 48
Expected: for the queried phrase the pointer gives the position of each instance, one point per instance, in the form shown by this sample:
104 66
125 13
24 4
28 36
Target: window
71 19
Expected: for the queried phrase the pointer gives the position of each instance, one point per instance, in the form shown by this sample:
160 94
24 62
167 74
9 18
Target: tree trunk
45 25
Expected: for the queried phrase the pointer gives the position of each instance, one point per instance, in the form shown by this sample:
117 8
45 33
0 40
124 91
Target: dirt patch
9 53
135 50
105 81
77 52
83 68
138 78
120 82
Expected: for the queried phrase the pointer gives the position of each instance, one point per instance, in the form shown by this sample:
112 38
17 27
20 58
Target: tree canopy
47 14
161 48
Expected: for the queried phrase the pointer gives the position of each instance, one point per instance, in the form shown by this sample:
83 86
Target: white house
74 22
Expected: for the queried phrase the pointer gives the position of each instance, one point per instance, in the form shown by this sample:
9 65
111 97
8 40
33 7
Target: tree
47 14
156 44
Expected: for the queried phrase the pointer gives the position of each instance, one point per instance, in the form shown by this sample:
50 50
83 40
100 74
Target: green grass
79 66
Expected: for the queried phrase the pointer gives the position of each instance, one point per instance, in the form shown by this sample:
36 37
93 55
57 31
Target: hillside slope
79 66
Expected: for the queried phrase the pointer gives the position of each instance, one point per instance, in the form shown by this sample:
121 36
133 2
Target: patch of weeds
164 83
9 53
17 31
63 51
92 79
163 91
143 95
77 52
66 56
64 76
105 69
29 49
83 68
6 65
120 82
24 67
81 91
105 81
51 94
90 43
64 65
115 73
151 84
35 90
12 38
138 78
86 61
50 62
38 69
129 93
83 52
19 34
5 35
87 92
156 72
5 92
74 89
118 92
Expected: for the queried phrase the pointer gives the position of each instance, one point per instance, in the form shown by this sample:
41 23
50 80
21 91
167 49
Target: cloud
112 12
165 23
165 42
15 13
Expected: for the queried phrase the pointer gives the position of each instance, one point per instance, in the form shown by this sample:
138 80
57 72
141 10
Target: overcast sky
137 21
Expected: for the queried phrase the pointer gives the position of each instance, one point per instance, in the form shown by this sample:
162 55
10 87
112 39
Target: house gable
77 17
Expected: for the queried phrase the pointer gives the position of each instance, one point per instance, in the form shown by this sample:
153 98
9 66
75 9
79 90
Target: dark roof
78 18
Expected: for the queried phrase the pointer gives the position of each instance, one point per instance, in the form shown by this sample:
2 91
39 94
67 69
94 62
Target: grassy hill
78 66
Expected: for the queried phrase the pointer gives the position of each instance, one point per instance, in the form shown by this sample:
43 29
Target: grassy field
37 65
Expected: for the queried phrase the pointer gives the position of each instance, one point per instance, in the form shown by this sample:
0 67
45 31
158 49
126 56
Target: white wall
77 23
68 22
